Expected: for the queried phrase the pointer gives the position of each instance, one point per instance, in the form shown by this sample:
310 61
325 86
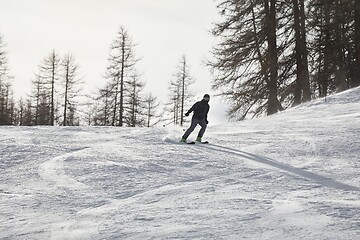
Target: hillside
293 175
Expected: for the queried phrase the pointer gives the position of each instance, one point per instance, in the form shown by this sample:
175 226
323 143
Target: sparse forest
270 55
56 97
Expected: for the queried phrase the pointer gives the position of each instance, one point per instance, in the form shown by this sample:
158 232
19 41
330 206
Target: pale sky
163 30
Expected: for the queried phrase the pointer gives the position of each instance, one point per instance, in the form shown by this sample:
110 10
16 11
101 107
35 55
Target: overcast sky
163 30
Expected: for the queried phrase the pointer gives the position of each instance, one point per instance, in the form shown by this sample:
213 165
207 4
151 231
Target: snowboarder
200 109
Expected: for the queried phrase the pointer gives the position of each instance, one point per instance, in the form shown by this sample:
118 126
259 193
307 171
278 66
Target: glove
187 114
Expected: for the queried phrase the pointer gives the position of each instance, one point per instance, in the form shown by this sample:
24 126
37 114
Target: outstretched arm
190 110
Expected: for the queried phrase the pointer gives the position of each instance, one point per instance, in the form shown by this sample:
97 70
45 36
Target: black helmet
206 97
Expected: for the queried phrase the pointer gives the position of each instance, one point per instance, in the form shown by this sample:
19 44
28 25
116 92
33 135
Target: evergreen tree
26 115
102 106
6 94
151 107
246 58
121 63
180 95
38 95
334 46
71 84
355 68
49 74
134 105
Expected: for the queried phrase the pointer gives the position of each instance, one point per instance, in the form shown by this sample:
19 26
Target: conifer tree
245 64
121 63
71 85
333 25
356 65
49 74
6 94
151 107
180 95
134 105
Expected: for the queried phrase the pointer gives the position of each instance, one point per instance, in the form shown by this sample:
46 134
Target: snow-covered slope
293 175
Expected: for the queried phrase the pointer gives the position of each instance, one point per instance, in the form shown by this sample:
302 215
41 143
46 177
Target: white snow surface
293 175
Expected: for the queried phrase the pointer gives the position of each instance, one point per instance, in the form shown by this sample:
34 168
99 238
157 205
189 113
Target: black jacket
200 110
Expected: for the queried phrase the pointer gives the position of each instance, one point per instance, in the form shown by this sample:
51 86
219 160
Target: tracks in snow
328 182
53 171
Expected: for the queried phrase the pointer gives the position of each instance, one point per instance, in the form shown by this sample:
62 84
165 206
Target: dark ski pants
194 123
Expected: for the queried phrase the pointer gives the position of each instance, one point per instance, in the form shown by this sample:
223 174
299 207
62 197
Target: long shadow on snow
328 182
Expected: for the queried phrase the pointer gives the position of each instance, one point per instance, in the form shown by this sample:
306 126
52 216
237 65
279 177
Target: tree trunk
302 86
121 108
66 96
183 92
273 60
327 53
298 56
303 48
52 117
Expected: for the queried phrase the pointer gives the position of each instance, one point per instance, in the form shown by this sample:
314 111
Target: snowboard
206 142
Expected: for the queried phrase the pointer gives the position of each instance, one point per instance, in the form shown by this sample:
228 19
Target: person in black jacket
200 110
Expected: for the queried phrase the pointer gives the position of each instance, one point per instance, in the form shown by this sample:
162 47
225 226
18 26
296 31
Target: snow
293 175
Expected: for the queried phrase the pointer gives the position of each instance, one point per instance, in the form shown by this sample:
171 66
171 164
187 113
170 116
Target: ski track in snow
52 171
328 182
325 181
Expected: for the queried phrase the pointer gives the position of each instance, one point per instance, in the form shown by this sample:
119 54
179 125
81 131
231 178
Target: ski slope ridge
292 175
